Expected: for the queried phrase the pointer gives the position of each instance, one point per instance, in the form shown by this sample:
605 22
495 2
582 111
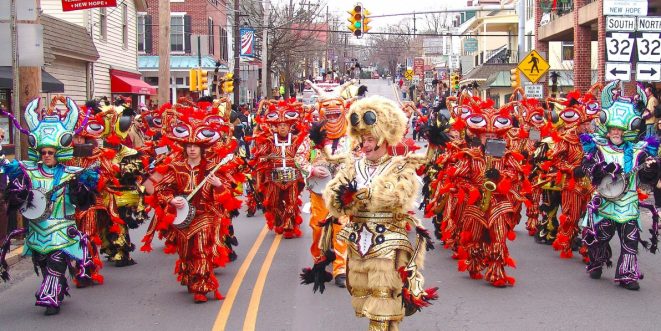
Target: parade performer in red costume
493 172
277 146
201 181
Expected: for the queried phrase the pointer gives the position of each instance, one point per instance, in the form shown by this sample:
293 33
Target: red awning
122 82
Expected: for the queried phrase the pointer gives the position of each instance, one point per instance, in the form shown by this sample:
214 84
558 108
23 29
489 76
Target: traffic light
515 78
228 83
366 20
454 80
192 80
356 17
202 80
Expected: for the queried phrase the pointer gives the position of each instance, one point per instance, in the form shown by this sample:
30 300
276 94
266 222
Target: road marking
253 306
226 308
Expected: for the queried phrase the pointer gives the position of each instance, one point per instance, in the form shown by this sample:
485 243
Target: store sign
70 5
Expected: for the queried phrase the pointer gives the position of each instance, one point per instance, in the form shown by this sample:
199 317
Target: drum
318 184
283 175
613 188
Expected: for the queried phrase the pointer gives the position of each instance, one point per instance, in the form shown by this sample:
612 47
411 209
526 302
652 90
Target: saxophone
488 186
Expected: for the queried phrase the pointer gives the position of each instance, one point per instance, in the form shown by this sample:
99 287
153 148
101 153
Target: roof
566 78
483 72
66 39
499 79
179 63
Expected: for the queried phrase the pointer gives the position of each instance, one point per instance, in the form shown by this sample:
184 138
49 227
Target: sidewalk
15 252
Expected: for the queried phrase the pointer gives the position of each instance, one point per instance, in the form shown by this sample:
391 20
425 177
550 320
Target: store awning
49 84
122 82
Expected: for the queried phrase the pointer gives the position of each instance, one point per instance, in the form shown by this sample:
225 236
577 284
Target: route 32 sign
649 46
619 46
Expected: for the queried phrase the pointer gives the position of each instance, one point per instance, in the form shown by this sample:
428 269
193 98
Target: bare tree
295 32
388 50
436 22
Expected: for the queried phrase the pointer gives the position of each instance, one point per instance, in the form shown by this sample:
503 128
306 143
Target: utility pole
16 106
164 52
237 58
522 28
265 57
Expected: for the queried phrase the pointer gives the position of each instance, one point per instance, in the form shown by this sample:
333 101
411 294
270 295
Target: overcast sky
381 7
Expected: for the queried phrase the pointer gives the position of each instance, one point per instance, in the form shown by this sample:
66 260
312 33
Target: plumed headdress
187 123
378 117
52 127
621 112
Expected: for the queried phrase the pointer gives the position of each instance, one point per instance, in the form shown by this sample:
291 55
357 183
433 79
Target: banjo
186 214
614 188
41 206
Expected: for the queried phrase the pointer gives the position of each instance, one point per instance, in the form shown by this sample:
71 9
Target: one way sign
618 71
648 72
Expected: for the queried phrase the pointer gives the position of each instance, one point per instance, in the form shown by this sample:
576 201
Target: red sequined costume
283 132
205 242
489 221
564 165
119 205
526 139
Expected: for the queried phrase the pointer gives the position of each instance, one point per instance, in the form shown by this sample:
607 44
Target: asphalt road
263 293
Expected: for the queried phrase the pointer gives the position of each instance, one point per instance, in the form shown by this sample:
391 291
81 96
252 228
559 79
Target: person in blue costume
614 151
52 239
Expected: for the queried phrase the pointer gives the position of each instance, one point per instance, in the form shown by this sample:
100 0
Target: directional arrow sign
618 71
619 46
649 46
648 72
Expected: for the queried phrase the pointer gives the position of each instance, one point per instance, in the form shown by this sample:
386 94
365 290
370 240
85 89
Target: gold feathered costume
383 267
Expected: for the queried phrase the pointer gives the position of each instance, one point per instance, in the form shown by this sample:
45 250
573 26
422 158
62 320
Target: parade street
262 290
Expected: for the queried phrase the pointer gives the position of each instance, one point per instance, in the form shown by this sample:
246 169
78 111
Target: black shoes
341 280
631 286
595 274
52 311
124 263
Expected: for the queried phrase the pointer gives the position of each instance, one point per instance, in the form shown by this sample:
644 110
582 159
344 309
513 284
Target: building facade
199 37
114 33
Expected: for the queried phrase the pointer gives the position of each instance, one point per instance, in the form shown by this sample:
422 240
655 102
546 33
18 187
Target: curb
15 255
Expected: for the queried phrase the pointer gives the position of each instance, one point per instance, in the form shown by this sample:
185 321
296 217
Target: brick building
198 38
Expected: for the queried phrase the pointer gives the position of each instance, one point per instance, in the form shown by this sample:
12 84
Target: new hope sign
70 5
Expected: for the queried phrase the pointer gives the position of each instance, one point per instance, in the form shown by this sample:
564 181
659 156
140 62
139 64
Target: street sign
649 24
648 72
535 91
621 23
533 66
419 66
619 46
618 71
454 61
625 7
649 46
408 74
415 80
470 45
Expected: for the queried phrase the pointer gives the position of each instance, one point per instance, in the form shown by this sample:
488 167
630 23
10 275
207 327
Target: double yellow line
253 306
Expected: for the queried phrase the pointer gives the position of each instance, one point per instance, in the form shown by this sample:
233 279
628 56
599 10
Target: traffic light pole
237 58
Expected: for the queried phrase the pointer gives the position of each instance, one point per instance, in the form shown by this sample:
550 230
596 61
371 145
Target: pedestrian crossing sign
408 74
533 66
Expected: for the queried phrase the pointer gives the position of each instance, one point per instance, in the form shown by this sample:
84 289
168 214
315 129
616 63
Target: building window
223 44
179 81
141 33
567 51
103 23
177 33
212 39
530 5
125 25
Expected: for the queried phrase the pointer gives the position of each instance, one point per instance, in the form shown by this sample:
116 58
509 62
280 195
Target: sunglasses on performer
47 153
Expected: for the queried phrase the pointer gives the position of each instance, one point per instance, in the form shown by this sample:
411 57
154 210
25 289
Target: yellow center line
226 308
253 306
